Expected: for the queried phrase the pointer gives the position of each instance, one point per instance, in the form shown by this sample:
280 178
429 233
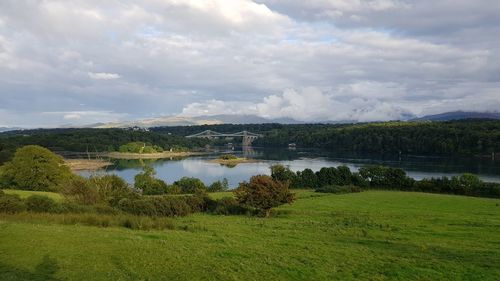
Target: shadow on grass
45 271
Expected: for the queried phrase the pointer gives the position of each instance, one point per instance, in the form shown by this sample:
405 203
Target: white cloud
308 104
103 76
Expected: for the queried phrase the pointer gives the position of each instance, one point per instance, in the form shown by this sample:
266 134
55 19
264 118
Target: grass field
375 235
26 193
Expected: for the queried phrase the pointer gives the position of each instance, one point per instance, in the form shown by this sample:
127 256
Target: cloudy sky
79 62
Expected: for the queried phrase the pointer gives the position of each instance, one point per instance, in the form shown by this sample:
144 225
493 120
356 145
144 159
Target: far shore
86 164
166 154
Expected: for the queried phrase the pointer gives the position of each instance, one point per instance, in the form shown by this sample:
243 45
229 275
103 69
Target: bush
156 206
263 193
227 206
81 191
40 204
111 189
339 189
11 204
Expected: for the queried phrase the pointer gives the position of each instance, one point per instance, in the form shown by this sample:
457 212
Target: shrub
156 206
263 193
40 204
190 185
35 168
227 206
111 189
81 191
197 202
339 189
11 204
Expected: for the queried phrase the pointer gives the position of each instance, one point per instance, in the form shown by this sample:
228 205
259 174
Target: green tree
263 193
147 182
219 186
190 185
35 168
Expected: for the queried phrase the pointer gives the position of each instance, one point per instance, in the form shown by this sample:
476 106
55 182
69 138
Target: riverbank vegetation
340 179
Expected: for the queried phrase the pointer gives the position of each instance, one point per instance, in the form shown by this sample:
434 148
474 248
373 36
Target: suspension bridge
248 137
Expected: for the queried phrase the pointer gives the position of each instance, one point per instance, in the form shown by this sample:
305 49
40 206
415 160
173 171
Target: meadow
373 235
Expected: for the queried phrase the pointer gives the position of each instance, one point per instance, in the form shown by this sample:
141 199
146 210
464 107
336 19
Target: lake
417 167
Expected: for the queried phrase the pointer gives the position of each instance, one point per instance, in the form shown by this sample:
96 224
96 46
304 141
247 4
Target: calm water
200 167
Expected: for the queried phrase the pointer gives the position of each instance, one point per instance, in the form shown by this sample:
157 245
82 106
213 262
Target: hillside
365 236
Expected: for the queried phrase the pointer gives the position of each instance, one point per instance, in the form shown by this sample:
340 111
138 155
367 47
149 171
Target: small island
231 160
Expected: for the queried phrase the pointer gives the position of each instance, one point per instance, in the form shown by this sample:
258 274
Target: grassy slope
373 235
27 193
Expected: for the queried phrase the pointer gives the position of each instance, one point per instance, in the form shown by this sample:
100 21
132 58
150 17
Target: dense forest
476 137
422 138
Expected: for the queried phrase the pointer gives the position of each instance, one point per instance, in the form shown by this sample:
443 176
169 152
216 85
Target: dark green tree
35 168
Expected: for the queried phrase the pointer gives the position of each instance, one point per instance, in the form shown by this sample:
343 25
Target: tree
190 185
35 168
307 179
219 186
283 174
264 193
147 182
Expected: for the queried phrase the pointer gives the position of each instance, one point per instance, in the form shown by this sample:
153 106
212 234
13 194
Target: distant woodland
464 137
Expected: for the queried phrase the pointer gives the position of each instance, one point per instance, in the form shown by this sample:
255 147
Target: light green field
375 235
27 193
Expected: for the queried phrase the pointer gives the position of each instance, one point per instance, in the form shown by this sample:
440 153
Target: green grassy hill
375 235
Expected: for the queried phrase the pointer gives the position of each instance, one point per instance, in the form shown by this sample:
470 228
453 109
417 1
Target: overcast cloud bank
97 61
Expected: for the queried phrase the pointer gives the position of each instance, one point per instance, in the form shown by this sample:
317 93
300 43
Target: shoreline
86 164
166 154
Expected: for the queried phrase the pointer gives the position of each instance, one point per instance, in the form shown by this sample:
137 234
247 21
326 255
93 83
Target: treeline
421 138
92 140
341 179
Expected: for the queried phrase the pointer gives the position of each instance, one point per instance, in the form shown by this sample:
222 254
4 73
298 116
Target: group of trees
341 179
148 184
140 147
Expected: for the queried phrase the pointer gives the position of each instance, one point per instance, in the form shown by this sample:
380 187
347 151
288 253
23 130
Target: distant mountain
190 121
6 129
457 115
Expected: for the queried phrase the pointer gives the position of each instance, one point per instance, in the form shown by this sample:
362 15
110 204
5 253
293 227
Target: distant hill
6 129
167 121
457 115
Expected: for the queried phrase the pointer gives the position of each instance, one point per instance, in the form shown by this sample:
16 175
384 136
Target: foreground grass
27 193
375 235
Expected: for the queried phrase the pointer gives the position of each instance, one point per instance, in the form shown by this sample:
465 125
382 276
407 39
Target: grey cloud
377 58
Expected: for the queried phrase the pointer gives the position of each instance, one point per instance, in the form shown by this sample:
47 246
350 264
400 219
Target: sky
81 62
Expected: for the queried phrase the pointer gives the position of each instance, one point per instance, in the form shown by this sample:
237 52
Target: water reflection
200 167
